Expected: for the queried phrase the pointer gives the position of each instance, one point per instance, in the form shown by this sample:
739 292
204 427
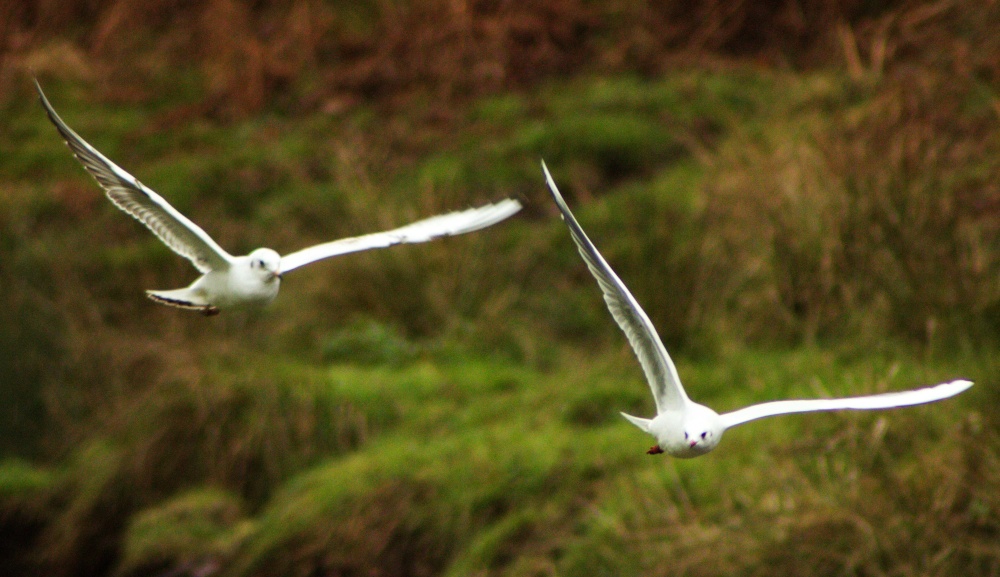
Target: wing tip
549 181
957 386
47 105
482 217
554 191
504 209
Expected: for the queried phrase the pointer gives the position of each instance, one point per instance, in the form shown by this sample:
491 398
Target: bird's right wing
656 363
869 402
451 224
173 228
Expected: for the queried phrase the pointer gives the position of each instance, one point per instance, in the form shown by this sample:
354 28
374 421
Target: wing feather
173 228
869 402
656 363
450 224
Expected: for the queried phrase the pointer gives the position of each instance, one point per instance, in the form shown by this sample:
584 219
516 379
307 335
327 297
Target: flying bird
252 280
682 427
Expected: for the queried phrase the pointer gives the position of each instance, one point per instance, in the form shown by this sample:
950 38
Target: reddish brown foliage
253 52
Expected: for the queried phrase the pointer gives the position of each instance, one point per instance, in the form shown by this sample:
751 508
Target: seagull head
699 439
702 430
266 262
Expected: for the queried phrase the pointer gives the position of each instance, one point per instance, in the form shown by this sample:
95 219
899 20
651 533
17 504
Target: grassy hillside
803 214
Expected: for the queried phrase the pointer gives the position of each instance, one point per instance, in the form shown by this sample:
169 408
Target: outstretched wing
656 363
883 401
173 228
450 224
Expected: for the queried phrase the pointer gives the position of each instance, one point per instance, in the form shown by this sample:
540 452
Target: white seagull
683 428
244 281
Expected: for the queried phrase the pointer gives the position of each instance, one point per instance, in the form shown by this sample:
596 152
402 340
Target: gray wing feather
450 224
656 363
173 228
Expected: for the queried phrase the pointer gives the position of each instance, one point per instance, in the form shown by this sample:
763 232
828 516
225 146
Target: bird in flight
682 427
252 280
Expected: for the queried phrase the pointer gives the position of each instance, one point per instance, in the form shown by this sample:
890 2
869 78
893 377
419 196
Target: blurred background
803 195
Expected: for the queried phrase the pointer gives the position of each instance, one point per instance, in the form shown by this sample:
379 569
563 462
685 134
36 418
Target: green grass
481 475
482 466
195 527
452 408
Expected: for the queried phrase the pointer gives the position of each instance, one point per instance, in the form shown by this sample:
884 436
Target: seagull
682 427
252 280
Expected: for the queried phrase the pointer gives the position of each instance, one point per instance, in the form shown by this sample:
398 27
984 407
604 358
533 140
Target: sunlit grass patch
195 530
439 496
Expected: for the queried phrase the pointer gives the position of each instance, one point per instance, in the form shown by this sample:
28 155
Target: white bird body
243 284
683 428
688 432
252 280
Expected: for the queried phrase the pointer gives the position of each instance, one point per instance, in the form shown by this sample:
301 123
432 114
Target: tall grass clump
194 457
922 198
196 531
27 506
879 216
415 512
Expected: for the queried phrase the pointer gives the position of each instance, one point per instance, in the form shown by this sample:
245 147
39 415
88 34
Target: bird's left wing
450 224
173 228
883 401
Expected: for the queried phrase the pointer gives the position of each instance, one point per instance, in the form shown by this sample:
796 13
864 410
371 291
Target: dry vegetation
803 195
314 53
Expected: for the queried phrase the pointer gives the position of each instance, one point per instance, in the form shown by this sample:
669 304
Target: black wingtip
545 171
48 106
38 88
554 191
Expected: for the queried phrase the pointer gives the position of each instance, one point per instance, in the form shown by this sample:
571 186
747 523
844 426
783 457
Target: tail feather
182 299
638 422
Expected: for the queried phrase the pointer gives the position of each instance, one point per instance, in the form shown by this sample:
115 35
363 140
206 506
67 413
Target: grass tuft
194 531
